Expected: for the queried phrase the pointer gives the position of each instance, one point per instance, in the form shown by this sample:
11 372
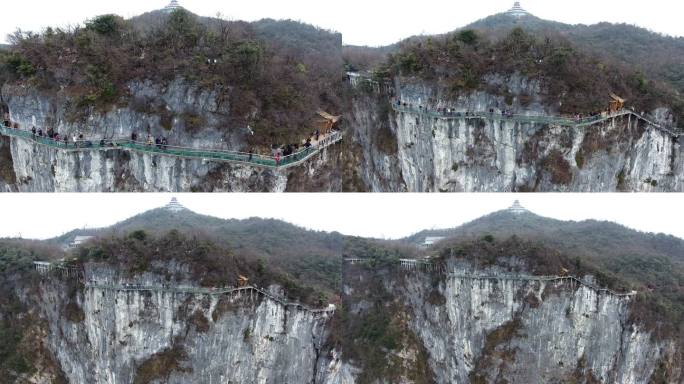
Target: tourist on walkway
134 137
277 158
33 131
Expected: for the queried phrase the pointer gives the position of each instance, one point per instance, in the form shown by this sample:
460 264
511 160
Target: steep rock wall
108 336
169 111
459 155
521 331
44 169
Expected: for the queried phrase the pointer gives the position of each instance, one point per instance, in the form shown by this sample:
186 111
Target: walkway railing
429 266
210 292
64 271
77 273
251 159
572 279
541 119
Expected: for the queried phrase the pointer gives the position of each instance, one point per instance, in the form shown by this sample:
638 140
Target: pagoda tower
173 5
517 11
174 206
517 209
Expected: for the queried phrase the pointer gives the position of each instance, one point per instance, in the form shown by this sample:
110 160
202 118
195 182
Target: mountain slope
651 263
313 256
657 55
597 238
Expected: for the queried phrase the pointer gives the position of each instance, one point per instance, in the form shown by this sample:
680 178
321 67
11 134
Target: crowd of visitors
284 154
506 113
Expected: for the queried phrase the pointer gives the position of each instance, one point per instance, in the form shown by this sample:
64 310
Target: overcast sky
371 215
362 22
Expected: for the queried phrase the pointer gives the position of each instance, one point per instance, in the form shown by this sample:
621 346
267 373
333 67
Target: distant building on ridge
173 5
517 11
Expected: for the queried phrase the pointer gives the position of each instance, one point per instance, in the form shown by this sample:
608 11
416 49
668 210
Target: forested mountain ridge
272 75
286 247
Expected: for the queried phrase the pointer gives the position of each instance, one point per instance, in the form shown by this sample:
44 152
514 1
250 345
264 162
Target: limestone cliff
414 152
454 327
103 335
487 330
189 116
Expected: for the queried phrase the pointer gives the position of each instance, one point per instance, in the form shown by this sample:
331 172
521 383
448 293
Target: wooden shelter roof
329 117
617 98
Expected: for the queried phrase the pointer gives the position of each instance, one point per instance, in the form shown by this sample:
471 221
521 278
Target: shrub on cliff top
572 81
255 67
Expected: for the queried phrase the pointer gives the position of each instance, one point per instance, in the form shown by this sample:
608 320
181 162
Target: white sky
370 215
362 22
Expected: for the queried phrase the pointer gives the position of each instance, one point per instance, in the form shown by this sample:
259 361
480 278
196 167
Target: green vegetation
19 348
618 257
657 55
621 181
572 81
496 349
559 168
274 75
160 366
579 159
374 336
378 253
74 313
18 255
210 264
300 254
7 174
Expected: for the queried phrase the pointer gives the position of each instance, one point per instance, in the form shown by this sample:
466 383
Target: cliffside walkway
429 266
542 279
247 290
78 274
538 119
256 160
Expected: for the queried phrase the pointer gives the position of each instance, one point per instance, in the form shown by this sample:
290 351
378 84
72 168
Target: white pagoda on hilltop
173 5
517 11
517 209
174 206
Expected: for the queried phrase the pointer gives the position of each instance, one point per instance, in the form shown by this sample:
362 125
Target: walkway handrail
560 120
263 161
541 279
205 291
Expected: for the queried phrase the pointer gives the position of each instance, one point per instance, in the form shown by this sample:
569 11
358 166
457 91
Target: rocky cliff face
44 169
522 331
422 153
100 335
187 115
391 150
459 329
